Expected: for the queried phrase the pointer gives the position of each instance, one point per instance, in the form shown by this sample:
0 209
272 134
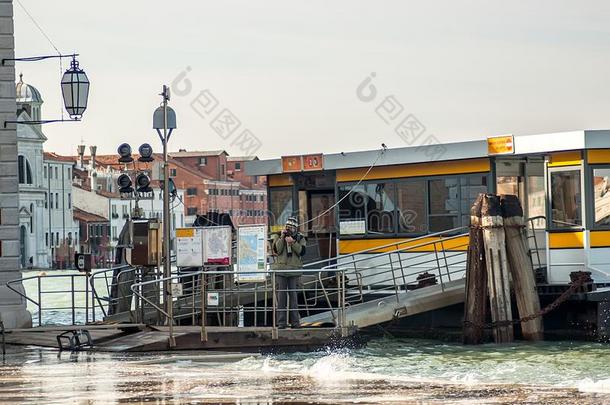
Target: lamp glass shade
75 90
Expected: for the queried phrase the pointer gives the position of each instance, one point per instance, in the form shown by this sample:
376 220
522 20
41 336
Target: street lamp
164 121
74 89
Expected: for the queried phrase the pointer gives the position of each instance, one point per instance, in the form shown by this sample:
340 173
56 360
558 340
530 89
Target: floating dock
145 338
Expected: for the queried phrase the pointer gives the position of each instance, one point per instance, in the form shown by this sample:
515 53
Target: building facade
61 230
32 185
13 312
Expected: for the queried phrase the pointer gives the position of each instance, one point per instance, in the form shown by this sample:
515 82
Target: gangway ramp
385 309
402 279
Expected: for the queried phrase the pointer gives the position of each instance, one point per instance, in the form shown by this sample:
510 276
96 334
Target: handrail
72 291
410 246
125 269
196 287
373 249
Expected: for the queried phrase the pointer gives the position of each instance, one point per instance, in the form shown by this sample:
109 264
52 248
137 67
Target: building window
191 191
566 205
56 175
31 218
46 239
51 200
172 172
56 201
24 170
601 193
191 211
237 166
203 161
56 238
46 198
222 170
69 174
45 172
69 200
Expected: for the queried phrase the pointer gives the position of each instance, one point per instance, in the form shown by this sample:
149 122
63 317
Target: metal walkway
399 280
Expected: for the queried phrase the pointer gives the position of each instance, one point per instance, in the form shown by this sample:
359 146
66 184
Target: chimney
92 149
81 155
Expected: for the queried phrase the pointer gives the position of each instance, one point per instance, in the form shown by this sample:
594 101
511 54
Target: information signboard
189 247
217 245
251 253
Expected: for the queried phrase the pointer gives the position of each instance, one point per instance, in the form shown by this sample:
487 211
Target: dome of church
26 93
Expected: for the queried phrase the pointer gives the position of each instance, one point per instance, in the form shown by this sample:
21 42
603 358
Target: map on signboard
217 245
251 253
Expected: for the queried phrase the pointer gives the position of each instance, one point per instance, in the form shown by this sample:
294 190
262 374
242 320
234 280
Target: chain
576 284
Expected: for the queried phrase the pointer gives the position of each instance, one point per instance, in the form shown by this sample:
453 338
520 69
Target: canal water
385 371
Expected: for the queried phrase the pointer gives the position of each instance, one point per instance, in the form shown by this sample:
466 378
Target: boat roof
523 145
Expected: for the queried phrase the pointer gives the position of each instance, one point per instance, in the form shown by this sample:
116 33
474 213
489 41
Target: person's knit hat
292 221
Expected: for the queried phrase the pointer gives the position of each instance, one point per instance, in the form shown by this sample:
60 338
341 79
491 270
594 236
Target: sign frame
289 161
258 275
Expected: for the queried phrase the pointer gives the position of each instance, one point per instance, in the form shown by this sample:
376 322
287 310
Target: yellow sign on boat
501 145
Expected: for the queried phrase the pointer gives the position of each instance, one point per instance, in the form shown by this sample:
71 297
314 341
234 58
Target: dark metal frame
368 235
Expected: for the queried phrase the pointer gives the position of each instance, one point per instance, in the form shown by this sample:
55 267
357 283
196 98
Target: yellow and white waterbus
353 201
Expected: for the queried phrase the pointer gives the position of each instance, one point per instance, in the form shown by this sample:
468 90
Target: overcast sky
289 71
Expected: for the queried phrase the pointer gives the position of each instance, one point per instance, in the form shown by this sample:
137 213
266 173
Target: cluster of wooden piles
498 254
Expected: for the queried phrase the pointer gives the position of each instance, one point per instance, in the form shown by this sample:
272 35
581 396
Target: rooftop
85 216
427 152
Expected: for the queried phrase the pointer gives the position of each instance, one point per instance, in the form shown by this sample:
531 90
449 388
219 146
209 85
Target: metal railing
81 298
410 264
212 297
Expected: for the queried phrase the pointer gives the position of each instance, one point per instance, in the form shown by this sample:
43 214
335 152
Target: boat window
566 201
370 202
601 192
444 204
280 206
411 205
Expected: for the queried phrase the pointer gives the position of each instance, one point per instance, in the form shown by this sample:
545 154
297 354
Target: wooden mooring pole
524 283
497 268
476 280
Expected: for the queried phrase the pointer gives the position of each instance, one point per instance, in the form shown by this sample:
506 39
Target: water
385 371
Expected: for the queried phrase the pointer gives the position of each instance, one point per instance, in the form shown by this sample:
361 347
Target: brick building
212 182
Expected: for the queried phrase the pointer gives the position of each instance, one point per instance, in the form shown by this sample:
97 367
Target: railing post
39 301
72 293
393 277
438 267
273 300
445 258
86 298
204 333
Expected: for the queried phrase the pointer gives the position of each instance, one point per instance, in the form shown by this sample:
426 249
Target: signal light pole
164 121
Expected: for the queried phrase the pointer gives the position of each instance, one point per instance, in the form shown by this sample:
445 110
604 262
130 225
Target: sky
291 73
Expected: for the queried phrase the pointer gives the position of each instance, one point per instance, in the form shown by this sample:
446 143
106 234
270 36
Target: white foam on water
592 386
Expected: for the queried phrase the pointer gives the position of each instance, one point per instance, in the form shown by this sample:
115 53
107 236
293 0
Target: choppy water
386 370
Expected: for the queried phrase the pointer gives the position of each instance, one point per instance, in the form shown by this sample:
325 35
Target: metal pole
167 270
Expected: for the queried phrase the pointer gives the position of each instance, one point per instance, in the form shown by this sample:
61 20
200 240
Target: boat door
315 199
524 177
